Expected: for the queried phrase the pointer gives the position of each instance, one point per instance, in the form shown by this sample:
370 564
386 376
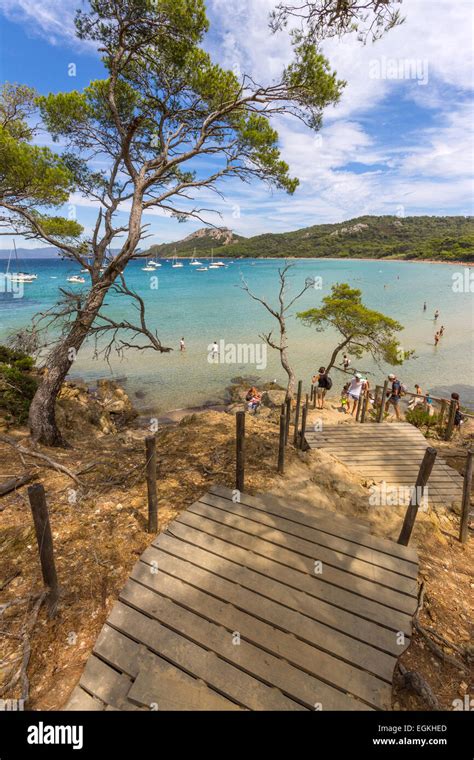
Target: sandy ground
99 531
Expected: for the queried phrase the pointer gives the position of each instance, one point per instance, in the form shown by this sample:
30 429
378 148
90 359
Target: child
345 399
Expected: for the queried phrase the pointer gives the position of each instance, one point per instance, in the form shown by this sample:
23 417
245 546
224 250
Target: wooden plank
105 683
329 574
319 664
341 545
299 510
122 651
296 577
358 574
82 700
275 671
329 640
342 527
161 686
228 568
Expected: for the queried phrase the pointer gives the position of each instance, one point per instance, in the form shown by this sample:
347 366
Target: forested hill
446 238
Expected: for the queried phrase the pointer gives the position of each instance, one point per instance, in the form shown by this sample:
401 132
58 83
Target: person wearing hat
394 396
358 384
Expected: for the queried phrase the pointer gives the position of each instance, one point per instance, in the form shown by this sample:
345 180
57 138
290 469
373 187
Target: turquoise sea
211 306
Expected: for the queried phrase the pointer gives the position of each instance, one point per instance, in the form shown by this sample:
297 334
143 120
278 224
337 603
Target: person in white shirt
357 386
214 351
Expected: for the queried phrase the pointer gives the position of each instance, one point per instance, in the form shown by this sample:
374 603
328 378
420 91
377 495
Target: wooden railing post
442 414
359 407
466 498
240 451
150 449
450 426
382 402
421 481
365 404
281 444
297 412
303 423
287 420
44 537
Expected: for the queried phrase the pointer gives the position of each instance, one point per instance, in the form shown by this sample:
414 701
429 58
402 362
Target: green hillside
445 238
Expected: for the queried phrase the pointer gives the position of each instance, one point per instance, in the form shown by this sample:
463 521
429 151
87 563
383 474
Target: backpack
328 383
403 389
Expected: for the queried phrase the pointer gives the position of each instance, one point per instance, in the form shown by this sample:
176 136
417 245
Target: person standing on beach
357 385
458 417
436 338
182 346
394 396
324 385
441 332
424 306
346 362
214 351
436 314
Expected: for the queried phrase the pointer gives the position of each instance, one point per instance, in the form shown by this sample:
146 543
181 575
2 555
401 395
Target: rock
273 399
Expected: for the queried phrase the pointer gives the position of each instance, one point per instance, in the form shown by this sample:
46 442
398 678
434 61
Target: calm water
208 306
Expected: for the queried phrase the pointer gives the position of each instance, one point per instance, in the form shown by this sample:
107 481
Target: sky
400 141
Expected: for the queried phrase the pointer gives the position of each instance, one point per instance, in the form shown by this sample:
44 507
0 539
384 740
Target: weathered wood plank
106 684
162 687
341 545
121 648
296 577
358 572
329 574
81 700
332 523
319 664
321 636
227 567
293 682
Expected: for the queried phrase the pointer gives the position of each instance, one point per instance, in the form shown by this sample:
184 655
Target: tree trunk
335 353
285 363
42 415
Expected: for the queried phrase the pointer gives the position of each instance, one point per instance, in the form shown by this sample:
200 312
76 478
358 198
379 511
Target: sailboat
149 267
194 262
176 264
18 276
213 265
76 279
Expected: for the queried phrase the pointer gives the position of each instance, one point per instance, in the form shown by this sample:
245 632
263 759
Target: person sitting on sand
394 396
255 402
251 393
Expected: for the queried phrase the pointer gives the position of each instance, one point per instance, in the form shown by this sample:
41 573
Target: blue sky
400 141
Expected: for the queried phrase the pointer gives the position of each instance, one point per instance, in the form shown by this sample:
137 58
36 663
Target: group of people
439 334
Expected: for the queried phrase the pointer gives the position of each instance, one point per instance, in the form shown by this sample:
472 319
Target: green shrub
17 386
421 418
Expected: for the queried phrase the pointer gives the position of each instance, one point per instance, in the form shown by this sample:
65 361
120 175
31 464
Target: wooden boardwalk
256 606
390 452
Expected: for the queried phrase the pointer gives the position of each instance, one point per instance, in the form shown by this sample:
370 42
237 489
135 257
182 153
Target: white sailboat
76 279
148 267
176 264
194 262
213 265
18 276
